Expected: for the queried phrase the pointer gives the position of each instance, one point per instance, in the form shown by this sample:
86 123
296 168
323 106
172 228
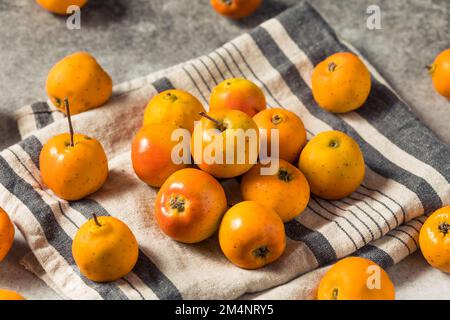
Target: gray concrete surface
133 38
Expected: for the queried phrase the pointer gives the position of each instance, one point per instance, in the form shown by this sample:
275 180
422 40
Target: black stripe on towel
377 255
383 109
145 269
52 230
163 84
315 241
374 159
42 114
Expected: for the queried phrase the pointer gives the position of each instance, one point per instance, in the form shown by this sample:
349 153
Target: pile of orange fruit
191 204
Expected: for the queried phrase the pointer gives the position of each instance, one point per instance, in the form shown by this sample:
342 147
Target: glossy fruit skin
233 119
6 234
341 83
189 206
235 9
10 295
60 6
440 73
237 94
252 235
333 165
107 252
176 106
80 79
348 280
291 131
151 153
434 239
286 192
73 173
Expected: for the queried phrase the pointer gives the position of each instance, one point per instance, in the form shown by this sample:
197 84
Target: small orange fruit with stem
440 73
73 165
173 106
356 278
252 235
341 83
6 234
237 94
105 249
80 79
434 239
291 132
151 153
189 205
286 191
225 143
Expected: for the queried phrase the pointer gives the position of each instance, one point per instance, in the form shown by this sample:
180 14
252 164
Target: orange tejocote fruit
333 164
105 249
341 83
189 206
286 191
356 278
291 132
225 143
80 79
235 9
175 106
73 165
252 235
10 295
151 153
434 239
238 94
440 73
60 6
6 234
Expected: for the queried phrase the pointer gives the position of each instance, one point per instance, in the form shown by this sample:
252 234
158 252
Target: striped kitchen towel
407 177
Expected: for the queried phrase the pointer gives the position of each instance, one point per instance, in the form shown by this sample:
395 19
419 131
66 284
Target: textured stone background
134 38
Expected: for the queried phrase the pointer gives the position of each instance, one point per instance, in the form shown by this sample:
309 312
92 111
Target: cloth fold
407 177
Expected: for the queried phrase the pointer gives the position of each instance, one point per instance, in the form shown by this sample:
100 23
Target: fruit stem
217 122
284 175
444 228
332 66
431 68
66 103
335 293
261 252
96 220
228 2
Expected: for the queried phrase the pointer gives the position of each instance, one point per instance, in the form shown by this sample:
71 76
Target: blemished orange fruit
333 165
235 9
10 295
60 6
252 235
237 94
174 106
440 73
151 153
291 132
434 239
6 234
105 249
356 278
80 79
190 205
341 83
286 191
73 172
